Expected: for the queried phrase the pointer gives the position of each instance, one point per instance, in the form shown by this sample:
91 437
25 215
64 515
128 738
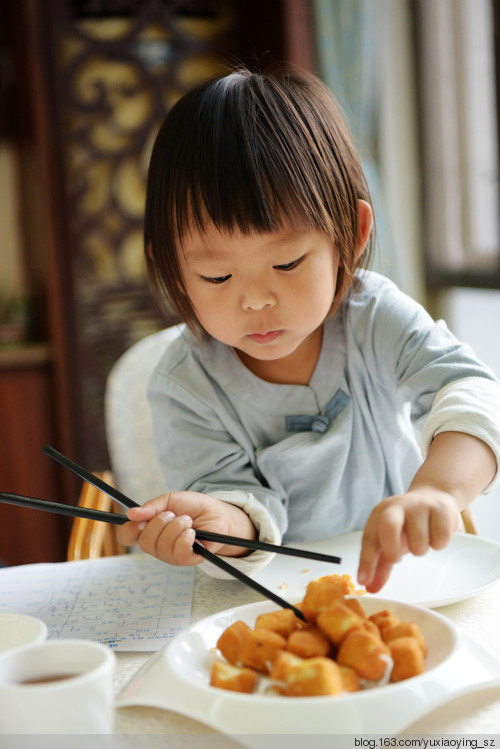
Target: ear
365 226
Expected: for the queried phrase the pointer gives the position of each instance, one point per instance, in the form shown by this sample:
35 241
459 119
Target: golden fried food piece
405 629
230 641
336 650
354 605
284 662
383 619
350 679
226 676
321 594
284 622
371 628
314 677
337 621
309 642
407 657
344 580
260 649
365 653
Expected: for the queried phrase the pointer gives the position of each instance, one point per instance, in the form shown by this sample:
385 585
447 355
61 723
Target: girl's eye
216 280
290 266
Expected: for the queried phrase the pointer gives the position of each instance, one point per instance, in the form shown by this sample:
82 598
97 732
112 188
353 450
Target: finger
128 534
151 508
165 538
182 550
153 530
383 538
418 531
380 576
390 532
370 552
441 527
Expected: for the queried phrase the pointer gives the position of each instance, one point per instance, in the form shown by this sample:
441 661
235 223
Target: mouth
268 337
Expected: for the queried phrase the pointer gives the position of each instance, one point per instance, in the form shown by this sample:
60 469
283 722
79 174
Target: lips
268 337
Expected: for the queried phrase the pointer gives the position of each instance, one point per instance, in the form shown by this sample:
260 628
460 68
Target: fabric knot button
320 424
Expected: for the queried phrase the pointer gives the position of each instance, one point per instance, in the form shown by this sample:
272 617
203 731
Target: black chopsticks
197 547
89 477
73 511
116 519
111 517
201 535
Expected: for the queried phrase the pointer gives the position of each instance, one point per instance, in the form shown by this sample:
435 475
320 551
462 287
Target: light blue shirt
317 457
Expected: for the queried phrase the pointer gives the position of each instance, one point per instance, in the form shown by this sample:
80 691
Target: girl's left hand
423 518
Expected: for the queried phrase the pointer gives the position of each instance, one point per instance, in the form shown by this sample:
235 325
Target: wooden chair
469 522
90 539
130 442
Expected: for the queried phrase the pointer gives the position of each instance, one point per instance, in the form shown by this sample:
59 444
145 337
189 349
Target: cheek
321 286
213 315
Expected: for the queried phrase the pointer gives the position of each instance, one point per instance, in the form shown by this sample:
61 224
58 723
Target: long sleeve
471 406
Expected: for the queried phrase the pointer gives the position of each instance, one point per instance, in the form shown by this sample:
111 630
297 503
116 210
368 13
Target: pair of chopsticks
122 499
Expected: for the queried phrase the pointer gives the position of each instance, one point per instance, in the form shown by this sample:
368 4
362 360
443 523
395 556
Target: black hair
253 152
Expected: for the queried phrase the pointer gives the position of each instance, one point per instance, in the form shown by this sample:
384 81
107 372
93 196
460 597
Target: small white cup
60 686
19 630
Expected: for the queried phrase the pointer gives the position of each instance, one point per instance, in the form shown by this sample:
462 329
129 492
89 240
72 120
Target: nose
256 296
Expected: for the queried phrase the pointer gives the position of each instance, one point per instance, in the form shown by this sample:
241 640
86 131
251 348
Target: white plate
466 566
177 678
17 630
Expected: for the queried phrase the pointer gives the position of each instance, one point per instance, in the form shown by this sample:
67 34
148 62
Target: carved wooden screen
119 67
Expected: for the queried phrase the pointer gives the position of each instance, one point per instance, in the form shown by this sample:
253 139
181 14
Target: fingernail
166 516
141 526
362 577
190 535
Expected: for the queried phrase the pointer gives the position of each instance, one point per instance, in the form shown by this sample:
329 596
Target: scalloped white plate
468 565
177 678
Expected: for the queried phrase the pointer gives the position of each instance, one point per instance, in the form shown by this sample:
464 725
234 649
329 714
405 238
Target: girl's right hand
165 527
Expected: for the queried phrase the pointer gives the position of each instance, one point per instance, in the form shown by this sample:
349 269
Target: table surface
477 617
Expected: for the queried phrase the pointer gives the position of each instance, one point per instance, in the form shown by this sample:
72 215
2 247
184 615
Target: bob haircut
252 152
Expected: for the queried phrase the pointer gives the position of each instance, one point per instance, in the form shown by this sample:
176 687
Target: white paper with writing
129 602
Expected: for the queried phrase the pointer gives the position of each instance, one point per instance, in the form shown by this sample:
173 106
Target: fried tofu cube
230 641
260 649
284 622
284 662
309 642
354 605
337 621
407 657
365 653
314 677
384 619
345 581
405 629
226 676
372 628
350 679
320 595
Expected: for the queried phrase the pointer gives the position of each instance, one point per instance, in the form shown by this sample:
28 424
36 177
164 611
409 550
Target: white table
477 617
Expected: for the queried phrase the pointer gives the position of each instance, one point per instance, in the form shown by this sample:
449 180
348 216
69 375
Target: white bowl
178 679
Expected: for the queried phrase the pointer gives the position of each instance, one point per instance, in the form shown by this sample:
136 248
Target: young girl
298 401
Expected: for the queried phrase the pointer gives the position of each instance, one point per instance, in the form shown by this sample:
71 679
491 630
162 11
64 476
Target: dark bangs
252 152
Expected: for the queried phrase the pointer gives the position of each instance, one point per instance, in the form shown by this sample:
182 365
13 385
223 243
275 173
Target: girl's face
265 295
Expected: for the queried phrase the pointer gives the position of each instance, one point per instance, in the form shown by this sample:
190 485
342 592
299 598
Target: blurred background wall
85 85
